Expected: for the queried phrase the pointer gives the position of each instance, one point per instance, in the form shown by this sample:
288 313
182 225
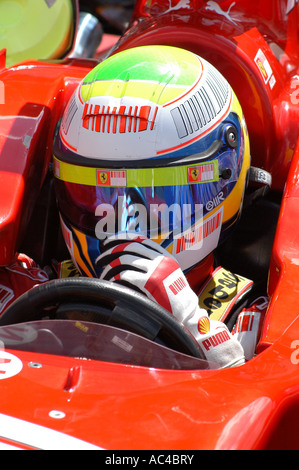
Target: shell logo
203 325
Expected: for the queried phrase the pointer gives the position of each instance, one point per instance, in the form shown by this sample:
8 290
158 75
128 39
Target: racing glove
247 329
145 265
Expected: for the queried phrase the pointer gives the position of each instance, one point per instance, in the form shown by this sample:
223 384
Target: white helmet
153 140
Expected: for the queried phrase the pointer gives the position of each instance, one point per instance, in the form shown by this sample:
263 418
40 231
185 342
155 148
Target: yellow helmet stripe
141 177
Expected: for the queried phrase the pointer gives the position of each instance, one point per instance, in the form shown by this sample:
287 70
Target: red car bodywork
113 406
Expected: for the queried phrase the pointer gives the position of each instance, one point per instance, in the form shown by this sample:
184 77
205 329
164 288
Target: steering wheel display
101 302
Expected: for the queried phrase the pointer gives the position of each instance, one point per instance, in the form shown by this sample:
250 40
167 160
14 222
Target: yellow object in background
36 29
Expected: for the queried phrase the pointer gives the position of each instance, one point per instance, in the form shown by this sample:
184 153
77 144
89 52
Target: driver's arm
144 265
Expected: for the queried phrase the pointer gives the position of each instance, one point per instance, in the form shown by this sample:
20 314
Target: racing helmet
152 142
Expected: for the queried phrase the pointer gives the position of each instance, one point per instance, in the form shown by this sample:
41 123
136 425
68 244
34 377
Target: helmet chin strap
258 175
262 179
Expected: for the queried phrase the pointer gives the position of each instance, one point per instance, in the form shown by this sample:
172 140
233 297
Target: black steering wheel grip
102 302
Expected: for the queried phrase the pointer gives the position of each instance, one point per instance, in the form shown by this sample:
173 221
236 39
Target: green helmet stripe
170 65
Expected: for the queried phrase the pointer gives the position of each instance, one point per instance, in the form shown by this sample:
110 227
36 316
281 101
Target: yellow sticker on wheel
221 292
68 269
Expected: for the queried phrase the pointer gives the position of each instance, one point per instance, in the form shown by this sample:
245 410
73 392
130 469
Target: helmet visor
160 203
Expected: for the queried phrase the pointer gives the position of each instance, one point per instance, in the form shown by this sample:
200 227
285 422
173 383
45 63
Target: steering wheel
103 302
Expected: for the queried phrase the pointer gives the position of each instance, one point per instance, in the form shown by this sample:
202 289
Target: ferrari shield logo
116 178
102 177
203 173
194 174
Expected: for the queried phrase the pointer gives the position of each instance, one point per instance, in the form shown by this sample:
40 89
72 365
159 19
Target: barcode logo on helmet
203 107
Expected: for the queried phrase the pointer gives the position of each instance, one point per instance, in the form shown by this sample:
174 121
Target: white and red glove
145 265
247 329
